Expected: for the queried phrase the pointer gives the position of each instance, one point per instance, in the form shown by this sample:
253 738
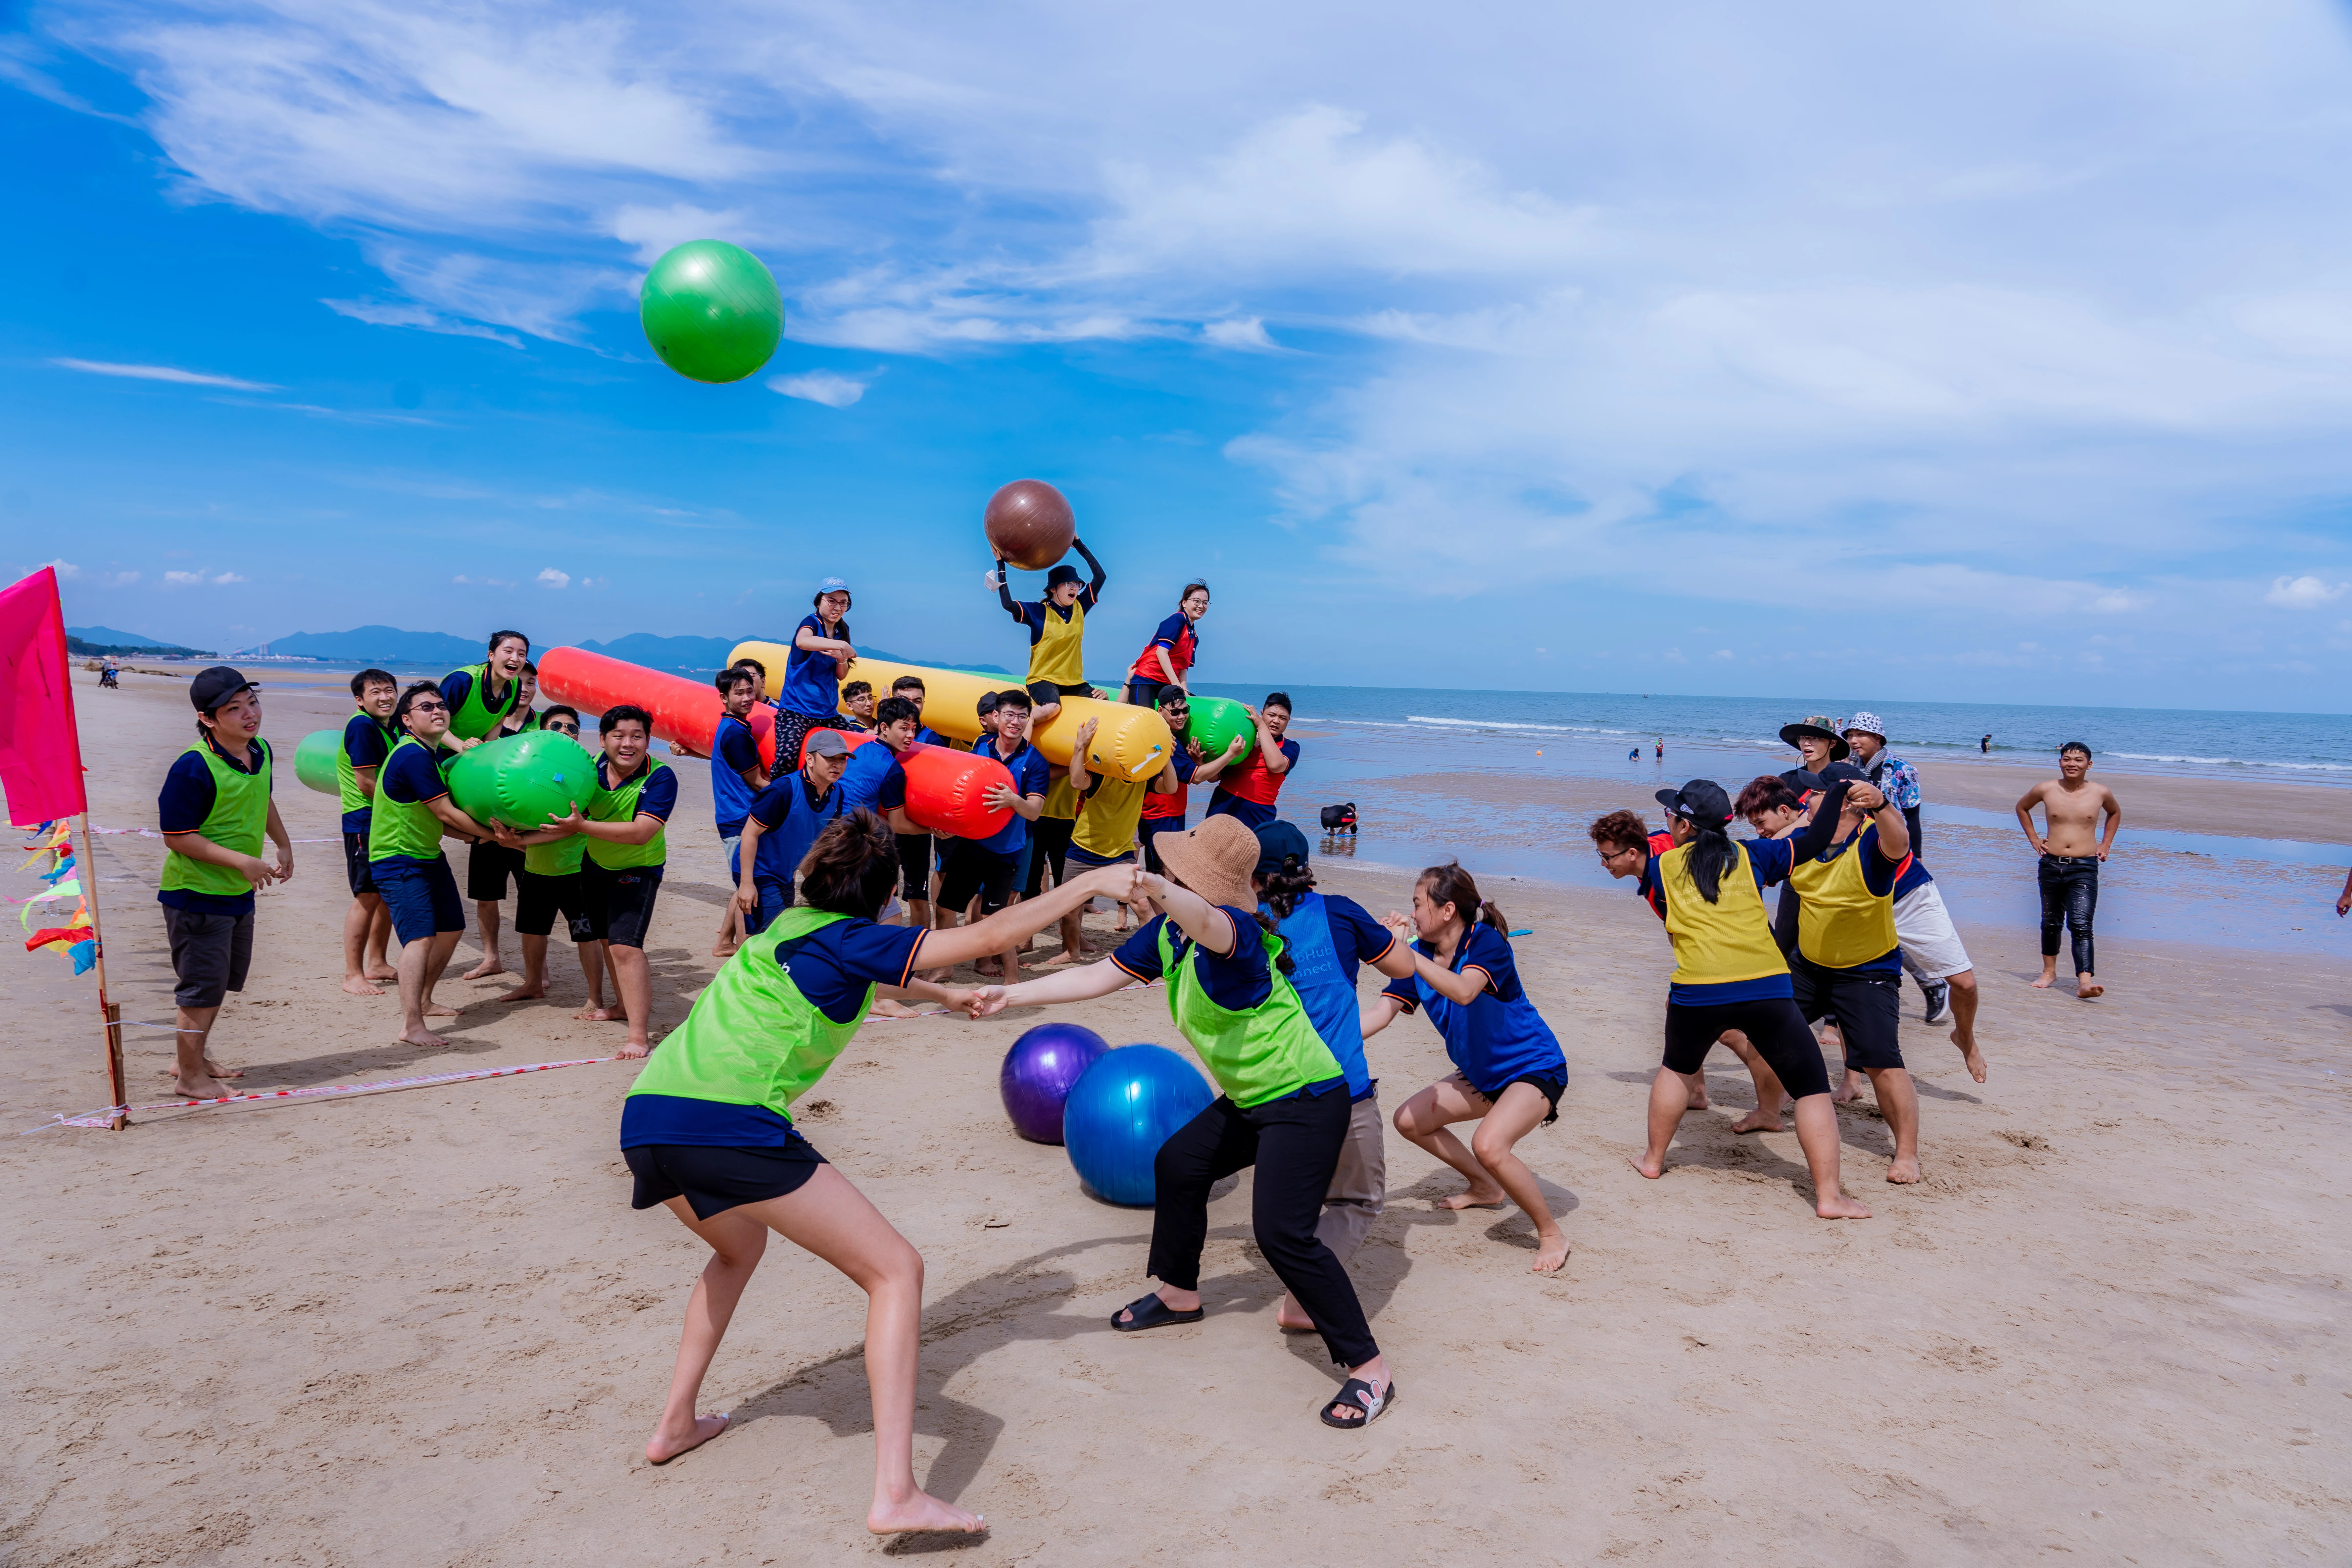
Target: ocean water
2307 748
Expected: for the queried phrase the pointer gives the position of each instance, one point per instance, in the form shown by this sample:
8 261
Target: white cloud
552 578
377 313
162 372
66 569
184 579
2303 592
819 386
230 577
1238 332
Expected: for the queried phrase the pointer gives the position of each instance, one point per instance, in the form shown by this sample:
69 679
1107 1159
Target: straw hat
1214 860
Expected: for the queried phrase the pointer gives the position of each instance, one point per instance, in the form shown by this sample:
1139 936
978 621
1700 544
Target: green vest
347 778
475 718
620 805
408 830
1261 1055
560 858
530 722
752 1038
238 820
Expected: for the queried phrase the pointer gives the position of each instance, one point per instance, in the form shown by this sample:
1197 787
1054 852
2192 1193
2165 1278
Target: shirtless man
2071 852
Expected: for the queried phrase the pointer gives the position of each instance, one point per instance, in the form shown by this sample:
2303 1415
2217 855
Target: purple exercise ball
1038 1072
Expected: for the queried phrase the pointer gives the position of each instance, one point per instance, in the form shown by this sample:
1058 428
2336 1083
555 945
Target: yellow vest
1840 922
1058 656
1726 941
1107 821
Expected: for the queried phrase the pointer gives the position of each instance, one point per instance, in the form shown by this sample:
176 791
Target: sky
1998 352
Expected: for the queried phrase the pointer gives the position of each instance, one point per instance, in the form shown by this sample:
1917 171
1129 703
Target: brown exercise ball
1029 523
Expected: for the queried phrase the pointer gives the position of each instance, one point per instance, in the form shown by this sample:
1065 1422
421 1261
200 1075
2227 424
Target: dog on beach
1338 819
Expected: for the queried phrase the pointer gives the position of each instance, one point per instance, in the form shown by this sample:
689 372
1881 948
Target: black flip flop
1357 1394
1151 1313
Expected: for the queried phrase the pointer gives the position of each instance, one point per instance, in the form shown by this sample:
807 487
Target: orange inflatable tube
685 711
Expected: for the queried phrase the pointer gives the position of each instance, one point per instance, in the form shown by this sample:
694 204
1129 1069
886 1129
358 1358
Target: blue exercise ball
1121 1109
1038 1072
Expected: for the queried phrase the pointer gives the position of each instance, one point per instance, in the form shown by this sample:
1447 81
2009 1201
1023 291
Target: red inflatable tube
685 711
947 791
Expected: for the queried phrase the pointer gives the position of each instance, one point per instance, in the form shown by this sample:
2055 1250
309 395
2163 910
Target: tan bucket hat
1214 860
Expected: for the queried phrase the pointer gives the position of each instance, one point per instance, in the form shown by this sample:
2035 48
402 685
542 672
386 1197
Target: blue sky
1998 353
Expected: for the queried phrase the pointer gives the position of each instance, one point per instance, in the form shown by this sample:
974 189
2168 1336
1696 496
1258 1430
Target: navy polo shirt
874 779
182 805
1031 775
1238 982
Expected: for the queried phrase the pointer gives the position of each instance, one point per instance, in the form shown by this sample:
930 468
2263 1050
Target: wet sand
427 1327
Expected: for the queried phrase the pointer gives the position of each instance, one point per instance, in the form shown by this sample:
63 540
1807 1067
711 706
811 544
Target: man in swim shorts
2071 853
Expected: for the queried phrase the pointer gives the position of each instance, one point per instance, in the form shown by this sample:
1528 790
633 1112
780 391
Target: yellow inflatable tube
1129 742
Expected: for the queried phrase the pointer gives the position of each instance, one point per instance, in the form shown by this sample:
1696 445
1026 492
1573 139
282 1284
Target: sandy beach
425 1328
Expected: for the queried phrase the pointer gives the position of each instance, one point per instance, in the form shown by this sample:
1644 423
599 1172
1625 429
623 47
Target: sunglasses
428 708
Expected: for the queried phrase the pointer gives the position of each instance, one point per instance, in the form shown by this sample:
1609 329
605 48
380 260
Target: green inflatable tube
314 761
1215 722
525 780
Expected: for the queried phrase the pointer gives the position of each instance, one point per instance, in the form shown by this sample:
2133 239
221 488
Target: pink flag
40 752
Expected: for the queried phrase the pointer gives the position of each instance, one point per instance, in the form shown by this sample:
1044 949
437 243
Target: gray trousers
1358 1182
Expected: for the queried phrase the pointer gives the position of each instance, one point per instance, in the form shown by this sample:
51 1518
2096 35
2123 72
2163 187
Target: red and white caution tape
151 833
320 1092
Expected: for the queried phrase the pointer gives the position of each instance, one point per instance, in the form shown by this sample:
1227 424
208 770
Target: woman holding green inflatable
1285 1109
707 1130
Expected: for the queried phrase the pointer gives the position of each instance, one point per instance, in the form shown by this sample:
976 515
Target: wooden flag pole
111 1012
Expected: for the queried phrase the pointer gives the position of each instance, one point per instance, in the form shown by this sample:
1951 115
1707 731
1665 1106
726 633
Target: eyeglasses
1609 854
571 730
428 708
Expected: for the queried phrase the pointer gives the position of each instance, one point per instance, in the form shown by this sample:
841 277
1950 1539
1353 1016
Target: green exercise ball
1214 721
711 310
314 761
525 780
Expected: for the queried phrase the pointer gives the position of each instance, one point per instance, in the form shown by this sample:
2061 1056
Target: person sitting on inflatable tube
1171 650
1058 629
1249 791
820 654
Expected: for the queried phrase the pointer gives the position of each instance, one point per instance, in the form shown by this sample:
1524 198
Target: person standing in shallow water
2071 852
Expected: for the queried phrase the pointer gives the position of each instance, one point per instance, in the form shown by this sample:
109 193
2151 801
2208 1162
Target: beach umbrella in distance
1030 525
711 310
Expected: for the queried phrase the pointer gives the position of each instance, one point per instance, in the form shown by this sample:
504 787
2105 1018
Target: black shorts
1150 828
714 1178
622 901
971 870
539 899
1049 843
355 864
1773 1027
210 954
487 866
1042 692
914 866
1551 1085
1868 1008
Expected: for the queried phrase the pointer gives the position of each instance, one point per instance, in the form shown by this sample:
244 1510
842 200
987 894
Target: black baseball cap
213 687
1701 800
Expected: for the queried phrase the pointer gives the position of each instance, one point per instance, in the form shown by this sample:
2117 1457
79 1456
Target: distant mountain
386 645
700 656
105 640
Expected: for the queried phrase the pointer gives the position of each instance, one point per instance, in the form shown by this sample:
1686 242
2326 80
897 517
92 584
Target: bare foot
2046 981
635 1049
1646 1166
525 992
440 1010
1062 960
922 1511
988 968
1971 1055
2086 988
722 950
357 985
1291 1318
1493 1199
664 1447
595 1013
887 1009
1903 1170
484 970
1849 1089
199 1089
421 1035
1758 1121
1839 1206
1551 1253
382 973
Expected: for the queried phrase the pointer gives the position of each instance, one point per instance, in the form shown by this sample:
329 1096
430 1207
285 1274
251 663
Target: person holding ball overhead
1057 630
1284 1108
706 1130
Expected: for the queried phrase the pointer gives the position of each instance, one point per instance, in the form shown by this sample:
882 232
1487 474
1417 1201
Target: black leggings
1294 1143
2070 896
1774 1026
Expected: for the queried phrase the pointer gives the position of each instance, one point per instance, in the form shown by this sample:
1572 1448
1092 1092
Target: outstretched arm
1095 588
1378 1014
1099 978
1016 923
1005 591
1201 920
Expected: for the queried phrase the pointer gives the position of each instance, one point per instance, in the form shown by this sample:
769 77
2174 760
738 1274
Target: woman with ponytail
1284 1108
1508 1072
1729 974
708 1130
